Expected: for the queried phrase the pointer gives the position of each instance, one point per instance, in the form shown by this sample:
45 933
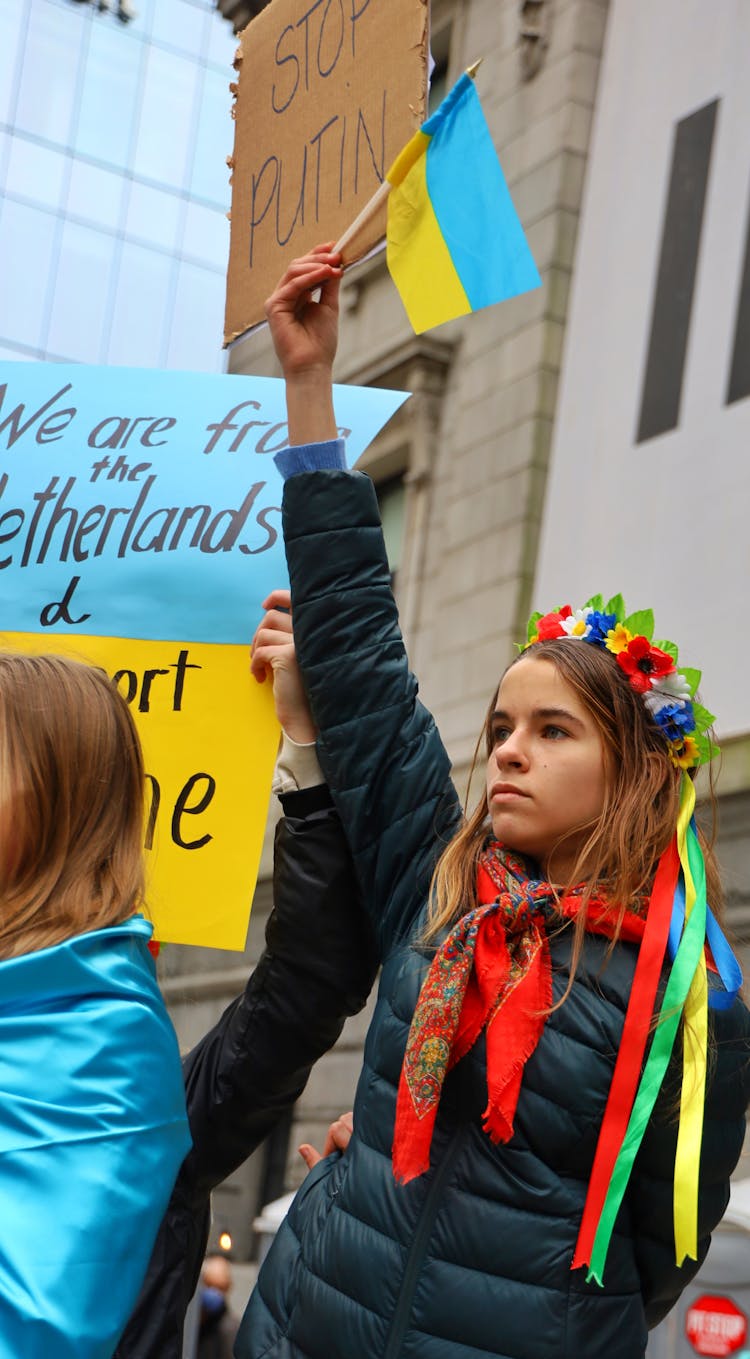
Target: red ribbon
632 1047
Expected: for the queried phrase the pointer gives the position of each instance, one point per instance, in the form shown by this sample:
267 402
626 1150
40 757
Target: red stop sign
715 1325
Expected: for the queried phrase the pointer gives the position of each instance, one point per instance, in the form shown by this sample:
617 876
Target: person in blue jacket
93 1124
556 1074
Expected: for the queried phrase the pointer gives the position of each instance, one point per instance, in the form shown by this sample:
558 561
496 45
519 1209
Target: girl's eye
553 733
500 734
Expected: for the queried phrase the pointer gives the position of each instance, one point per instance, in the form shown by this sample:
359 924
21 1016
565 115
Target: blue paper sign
146 504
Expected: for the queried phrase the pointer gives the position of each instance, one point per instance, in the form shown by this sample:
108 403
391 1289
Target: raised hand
305 335
273 655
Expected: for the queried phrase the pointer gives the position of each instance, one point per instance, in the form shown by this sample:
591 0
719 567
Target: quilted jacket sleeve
650 1190
379 748
318 967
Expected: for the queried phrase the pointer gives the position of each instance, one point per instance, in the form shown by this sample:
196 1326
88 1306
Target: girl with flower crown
556 1074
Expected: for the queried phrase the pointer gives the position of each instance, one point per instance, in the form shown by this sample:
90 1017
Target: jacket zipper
417 1252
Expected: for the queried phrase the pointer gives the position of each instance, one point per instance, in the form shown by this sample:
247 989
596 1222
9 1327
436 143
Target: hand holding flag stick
454 243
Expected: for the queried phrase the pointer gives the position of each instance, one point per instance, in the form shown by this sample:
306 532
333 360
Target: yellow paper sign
209 737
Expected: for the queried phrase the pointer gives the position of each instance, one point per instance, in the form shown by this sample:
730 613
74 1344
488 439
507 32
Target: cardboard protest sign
327 94
140 530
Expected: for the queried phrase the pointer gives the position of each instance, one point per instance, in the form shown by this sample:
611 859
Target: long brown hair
71 803
639 814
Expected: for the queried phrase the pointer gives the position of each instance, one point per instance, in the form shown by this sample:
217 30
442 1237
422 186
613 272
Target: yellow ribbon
694 1044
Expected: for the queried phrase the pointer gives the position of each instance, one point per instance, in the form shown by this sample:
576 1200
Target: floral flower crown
651 669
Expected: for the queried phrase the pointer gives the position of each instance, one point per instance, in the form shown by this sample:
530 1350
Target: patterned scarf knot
492 973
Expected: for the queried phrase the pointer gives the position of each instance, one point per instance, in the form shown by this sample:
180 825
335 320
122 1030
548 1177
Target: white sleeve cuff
296 767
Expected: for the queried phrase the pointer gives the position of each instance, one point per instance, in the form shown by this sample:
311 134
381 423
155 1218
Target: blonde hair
71 803
637 820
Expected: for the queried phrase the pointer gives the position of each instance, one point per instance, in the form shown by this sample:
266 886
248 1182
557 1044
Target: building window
392 501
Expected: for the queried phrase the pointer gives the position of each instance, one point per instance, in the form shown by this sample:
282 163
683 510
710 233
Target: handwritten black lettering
258 214
305 20
58 611
284 61
183 808
124 427
356 16
378 166
148 678
58 528
140 688
228 424
48 430
235 525
181 665
299 211
9 514
153 811
270 530
335 39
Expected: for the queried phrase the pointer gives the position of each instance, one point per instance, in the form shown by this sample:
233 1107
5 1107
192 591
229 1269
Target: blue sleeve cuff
311 458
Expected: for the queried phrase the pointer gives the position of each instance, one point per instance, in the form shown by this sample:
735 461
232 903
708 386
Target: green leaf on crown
703 718
615 605
692 676
531 629
670 649
596 602
641 624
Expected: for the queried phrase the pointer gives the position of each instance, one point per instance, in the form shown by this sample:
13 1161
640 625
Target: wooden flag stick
363 217
381 193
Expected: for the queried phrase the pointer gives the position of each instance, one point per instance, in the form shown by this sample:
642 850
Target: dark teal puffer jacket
471 1260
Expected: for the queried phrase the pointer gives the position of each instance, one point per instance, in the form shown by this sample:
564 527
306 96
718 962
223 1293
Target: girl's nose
513 753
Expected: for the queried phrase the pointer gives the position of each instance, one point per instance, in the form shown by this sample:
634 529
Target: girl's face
546 774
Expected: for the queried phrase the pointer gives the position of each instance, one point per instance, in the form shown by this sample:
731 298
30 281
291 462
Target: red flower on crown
644 663
551 624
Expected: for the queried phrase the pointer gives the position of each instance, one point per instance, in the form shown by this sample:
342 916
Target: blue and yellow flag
93 1130
454 241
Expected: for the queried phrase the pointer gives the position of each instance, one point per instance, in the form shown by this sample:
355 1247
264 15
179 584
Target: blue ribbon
720 997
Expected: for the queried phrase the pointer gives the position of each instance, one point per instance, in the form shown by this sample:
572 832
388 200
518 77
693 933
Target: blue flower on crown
676 720
600 624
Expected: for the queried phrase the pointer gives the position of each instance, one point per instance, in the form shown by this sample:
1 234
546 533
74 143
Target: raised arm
318 967
380 751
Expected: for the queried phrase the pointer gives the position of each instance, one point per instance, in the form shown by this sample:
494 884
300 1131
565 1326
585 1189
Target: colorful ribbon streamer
679 918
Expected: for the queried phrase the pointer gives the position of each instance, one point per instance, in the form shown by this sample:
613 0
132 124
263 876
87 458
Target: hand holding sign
139 531
273 651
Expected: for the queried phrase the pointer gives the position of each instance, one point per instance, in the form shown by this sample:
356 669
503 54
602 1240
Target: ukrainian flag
454 241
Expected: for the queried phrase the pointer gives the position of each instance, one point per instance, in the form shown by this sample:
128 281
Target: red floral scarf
492 972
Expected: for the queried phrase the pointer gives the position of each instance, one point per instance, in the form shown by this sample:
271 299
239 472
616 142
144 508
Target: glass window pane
180 24
81 290
197 321
35 173
27 237
166 121
140 318
154 215
109 99
15 355
392 502
48 77
95 194
10 55
206 235
214 140
222 43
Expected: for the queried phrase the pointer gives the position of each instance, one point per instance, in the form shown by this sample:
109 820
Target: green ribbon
686 961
